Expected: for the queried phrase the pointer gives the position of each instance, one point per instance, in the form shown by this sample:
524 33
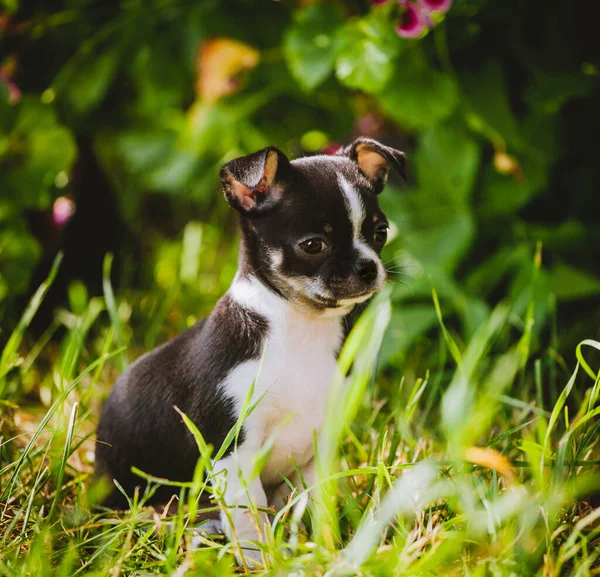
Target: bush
494 106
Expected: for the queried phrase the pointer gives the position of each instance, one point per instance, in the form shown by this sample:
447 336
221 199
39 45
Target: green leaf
550 90
39 149
443 245
309 44
418 96
10 5
19 252
490 112
366 51
569 235
570 283
447 162
474 312
407 323
51 150
418 285
174 172
503 194
142 150
89 80
521 295
496 268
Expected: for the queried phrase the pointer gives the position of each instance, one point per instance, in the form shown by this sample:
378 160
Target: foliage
498 131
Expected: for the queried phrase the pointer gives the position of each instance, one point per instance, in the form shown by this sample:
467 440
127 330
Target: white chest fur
298 366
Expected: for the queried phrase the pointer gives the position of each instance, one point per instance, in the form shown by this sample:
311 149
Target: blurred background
115 118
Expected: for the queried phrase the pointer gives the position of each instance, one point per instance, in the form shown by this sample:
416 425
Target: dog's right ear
375 160
252 183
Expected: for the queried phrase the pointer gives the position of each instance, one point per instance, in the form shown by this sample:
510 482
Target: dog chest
297 379
294 378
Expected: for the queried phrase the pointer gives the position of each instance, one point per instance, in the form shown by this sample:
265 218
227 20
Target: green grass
472 467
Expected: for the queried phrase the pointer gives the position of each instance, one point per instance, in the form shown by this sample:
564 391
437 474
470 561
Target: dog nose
366 270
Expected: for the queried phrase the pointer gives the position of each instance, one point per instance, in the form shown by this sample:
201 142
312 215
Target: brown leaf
506 164
486 457
220 61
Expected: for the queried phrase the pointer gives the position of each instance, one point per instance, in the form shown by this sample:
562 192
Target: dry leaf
220 61
506 164
486 457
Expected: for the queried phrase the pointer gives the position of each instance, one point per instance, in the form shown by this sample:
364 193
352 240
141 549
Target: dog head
312 229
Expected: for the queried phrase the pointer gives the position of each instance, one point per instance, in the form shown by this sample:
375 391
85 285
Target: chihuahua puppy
311 236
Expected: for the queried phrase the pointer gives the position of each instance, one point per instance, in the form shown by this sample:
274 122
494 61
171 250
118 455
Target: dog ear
251 183
375 160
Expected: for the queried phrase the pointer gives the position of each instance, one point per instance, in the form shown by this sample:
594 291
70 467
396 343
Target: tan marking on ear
373 164
246 195
269 175
270 168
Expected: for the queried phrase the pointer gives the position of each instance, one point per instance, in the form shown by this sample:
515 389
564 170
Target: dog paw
253 558
205 531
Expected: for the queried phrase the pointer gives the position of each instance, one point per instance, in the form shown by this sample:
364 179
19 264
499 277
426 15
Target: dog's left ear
250 183
375 160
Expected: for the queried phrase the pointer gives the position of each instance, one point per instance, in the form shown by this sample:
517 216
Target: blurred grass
471 468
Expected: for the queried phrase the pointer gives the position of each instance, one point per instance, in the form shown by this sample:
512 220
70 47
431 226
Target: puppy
311 235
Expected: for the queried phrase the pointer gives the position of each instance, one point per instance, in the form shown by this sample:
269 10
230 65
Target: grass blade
113 313
65 457
9 354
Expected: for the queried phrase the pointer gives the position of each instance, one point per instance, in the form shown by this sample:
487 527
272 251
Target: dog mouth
326 302
344 302
315 294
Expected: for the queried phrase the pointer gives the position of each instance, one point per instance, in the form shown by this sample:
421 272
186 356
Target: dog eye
313 246
380 235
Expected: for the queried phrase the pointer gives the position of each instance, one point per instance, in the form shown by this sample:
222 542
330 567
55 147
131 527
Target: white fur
356 212
298 366
275 258
326 157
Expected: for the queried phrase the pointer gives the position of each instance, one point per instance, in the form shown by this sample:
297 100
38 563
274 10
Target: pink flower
331 148
435 5
14 94
412 22
62 211
368 125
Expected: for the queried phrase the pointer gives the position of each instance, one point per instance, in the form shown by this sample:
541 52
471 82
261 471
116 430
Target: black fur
139 426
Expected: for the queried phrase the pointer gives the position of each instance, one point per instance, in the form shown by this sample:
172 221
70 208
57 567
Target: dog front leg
280 496
239 522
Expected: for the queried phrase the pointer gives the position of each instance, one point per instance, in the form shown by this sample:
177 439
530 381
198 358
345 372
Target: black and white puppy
312 232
